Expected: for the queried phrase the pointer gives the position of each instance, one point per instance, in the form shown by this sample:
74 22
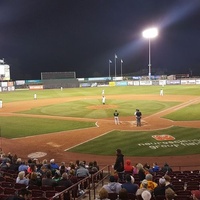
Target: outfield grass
21 95
142 144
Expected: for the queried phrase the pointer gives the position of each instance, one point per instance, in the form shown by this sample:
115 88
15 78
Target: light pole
149 34
121 66
109 62
115 65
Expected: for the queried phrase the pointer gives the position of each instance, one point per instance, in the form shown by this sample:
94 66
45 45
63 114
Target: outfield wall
88 82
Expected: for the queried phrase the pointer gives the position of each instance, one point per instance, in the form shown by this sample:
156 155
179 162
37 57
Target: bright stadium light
149 34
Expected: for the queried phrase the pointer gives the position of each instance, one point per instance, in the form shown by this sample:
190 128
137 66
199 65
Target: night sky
83 35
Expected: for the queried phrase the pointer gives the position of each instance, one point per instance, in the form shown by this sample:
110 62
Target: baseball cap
196 193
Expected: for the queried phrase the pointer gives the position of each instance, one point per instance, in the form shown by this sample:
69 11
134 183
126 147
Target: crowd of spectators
34 172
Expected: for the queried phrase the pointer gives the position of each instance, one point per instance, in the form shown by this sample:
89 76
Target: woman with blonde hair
103 194
22 179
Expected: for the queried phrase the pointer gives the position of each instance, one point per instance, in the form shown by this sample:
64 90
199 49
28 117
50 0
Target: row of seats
114 196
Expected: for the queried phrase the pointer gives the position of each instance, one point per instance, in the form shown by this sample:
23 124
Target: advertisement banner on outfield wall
155 82
111 83
4 84
136 82
85 85
145 82
188 82
198 81
130 83
20 82
173 82
162 82
121 83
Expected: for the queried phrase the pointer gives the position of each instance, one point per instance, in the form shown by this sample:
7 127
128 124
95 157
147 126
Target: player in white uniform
103 100
161 92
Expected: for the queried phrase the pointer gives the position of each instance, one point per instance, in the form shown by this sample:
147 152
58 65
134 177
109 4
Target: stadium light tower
149 34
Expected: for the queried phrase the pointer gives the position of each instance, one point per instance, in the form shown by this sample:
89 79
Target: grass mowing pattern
83 108
188 113
186 142
15 127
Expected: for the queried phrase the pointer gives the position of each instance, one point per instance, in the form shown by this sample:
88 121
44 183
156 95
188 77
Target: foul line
88 140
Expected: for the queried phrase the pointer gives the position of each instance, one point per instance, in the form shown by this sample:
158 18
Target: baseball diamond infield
53 145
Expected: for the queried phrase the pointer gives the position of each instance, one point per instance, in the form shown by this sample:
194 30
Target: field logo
163 137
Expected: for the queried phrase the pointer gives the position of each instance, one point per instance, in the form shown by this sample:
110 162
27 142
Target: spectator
141 172
146 195
64 181
160 189
151 184
168 182
32 168
169 194
129 186
195 194
147 168
103 195
15 165
119 164
23 167
48 179
112 186
63 168
53 165
128 168
123 194
22 179
43 171
166 168
5 165
95 165
144 185
35 179
57 176
92 169
155 167
82 171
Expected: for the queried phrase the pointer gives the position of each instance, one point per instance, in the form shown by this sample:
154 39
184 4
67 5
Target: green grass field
141 143
12 127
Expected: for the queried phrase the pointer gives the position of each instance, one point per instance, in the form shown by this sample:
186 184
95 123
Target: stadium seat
10 191
47 187
50 193
112 196
182 197
38 193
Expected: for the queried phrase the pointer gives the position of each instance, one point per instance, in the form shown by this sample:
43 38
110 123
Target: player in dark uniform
138 116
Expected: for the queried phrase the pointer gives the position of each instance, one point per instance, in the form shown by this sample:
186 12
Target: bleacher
87 187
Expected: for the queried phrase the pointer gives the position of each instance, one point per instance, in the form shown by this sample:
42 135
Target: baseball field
73 124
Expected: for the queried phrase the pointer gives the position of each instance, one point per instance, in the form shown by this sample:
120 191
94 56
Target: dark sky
82 35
